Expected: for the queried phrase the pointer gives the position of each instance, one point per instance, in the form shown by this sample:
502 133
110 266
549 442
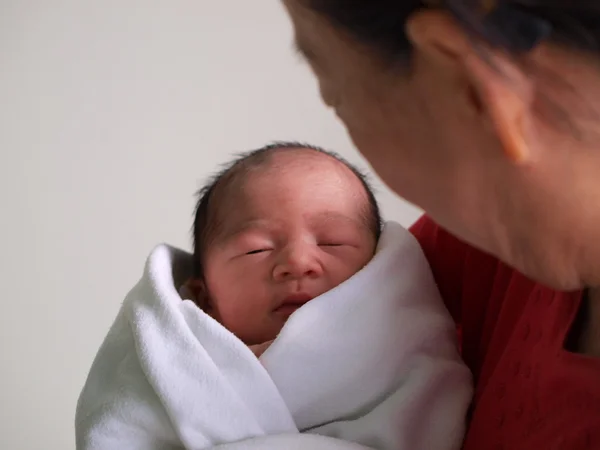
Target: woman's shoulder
475 286
439 245
452 260
456 266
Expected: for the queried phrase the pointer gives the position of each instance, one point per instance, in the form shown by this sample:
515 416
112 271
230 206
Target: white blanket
370 363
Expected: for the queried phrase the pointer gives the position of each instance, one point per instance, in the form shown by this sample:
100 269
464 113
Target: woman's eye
330 244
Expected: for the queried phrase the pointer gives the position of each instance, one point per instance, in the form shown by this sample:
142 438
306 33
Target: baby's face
296 230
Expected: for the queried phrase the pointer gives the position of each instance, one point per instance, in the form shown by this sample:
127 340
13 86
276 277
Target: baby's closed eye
257 251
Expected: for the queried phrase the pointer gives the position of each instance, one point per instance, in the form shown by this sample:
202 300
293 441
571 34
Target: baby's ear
195 289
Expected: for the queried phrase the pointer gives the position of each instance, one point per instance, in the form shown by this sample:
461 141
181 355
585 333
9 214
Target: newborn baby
277 228
300 321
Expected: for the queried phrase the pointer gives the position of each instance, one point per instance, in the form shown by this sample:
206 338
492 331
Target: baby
278 227
300 321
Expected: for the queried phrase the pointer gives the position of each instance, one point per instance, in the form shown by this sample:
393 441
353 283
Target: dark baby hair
516 25
206 217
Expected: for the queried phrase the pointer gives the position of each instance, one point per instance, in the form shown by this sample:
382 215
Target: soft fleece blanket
372 363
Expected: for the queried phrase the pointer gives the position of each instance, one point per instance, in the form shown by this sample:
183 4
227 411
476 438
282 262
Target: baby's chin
266 331
267 334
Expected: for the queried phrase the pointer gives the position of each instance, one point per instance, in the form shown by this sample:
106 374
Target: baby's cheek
241 312
348 268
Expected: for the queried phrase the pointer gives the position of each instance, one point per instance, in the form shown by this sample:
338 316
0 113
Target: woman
487 115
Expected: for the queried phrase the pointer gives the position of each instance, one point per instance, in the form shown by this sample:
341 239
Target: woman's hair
516 25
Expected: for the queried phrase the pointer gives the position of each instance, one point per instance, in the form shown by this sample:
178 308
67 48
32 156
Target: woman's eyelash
330 245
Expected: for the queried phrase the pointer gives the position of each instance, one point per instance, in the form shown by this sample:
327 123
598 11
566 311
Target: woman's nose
297 263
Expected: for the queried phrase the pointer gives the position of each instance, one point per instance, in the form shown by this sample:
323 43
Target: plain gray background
112 113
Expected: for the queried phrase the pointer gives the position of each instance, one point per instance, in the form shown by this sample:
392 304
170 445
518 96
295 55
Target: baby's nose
298 263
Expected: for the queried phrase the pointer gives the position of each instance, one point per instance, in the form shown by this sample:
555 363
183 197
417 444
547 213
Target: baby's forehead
302 167
289 177
312 184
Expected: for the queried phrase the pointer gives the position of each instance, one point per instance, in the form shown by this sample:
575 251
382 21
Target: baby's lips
297 299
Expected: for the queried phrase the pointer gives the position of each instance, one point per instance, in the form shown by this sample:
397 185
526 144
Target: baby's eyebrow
243 226
335 216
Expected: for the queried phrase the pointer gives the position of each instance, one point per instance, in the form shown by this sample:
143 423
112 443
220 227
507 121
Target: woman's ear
195 290
498 90
505 95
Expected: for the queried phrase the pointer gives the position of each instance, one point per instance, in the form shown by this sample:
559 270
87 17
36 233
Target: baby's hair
207 218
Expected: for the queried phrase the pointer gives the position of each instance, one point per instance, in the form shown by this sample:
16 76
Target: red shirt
530 392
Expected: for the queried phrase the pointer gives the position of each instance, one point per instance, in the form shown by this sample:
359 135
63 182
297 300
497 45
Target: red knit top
531 393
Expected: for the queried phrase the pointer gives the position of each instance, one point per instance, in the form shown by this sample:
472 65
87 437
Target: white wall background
111 115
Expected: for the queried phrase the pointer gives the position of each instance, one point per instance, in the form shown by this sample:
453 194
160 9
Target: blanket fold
372 363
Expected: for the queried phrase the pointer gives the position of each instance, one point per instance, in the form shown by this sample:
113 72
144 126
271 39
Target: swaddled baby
277 228
291 264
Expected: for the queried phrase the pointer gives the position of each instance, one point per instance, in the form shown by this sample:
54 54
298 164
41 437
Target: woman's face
415 126
446 131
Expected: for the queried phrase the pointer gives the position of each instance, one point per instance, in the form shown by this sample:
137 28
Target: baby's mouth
292 303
